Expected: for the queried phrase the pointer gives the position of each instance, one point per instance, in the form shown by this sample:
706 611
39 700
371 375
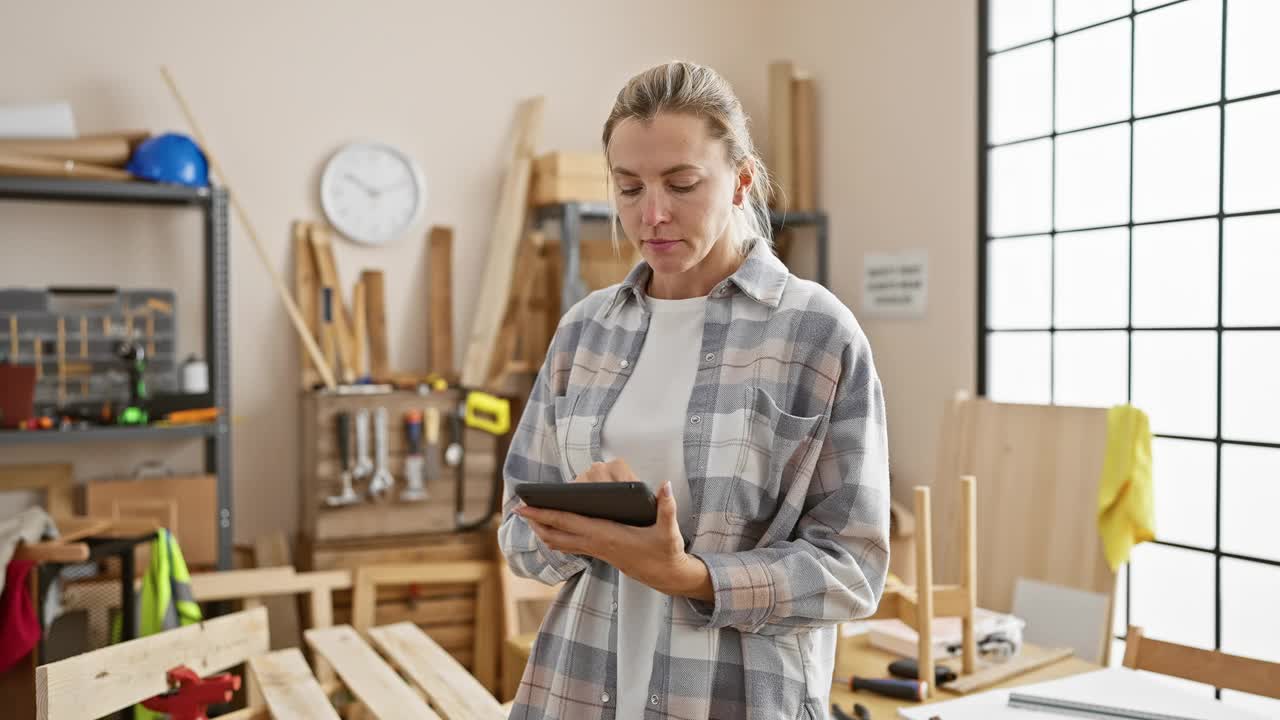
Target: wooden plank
1211 667
453 692
1039 468
924 589
1030 658
377 320
289 689
306 295
781 137
804 121
366 675
53 479
237 584
487 638
508 228
272 550
440 300
367 579
103 681
360 329
327 267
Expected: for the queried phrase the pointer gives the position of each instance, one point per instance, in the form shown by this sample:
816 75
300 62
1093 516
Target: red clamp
191 694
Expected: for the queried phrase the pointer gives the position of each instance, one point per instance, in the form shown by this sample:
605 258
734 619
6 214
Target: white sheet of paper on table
1117 687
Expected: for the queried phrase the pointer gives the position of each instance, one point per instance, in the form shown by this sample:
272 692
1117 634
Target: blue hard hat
170 158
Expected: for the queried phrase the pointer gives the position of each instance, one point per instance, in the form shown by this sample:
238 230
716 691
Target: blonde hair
683 87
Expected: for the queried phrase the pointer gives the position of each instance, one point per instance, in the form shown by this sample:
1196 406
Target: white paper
895 284
1117 687
47 120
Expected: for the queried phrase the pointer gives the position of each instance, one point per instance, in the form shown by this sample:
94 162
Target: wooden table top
857 657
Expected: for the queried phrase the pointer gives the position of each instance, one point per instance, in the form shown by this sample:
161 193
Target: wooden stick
377 310
781 139
110 151
13 337
62 361
39 353
924 590
84 352
508 228
440 300
804 117
299 323
304 287
359 331
969 551
12 163
1025 662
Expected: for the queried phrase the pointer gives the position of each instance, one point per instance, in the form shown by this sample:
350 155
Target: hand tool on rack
348 494
364 463
491 414
135 356
432 454
381 483
415 489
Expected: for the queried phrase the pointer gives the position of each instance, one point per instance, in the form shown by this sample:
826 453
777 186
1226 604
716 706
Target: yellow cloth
1126 495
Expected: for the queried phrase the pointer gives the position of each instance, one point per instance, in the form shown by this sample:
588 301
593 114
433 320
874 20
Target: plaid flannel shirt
787 462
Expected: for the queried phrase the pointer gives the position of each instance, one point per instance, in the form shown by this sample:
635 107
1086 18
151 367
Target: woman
746 398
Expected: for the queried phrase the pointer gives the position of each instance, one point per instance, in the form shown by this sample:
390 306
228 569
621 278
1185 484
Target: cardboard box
186 505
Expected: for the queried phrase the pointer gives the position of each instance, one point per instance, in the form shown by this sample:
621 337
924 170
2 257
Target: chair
524 604
1211 667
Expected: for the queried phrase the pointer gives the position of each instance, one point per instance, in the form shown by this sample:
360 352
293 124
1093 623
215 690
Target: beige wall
898 170
278 86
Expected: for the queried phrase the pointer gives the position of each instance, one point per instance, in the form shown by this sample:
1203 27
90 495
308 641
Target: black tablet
630 503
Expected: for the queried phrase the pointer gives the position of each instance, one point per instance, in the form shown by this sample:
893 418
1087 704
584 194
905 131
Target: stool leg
969 545
924 589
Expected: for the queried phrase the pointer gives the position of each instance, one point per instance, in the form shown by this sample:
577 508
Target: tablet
630 503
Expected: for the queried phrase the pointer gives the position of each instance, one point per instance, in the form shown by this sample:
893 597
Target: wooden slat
237 584
366 675
781 138
327 267
360 329
376 298
508 228
440 300
1028 659
804 120
103 681
367 579
924 588
306 295
288 687
1219 669
54 479
453 692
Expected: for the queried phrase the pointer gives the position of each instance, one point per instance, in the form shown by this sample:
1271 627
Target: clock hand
368 190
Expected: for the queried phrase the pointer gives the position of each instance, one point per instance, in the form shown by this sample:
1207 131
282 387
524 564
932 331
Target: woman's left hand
652 555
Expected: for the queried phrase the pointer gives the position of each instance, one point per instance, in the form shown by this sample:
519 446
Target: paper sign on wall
895 284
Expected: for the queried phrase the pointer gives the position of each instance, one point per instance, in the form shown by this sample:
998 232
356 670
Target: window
1130 252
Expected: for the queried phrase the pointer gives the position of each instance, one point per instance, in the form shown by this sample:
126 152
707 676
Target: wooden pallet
104 681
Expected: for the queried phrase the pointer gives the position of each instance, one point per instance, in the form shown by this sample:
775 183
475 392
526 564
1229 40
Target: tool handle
413 431
380 436
889 687
344 439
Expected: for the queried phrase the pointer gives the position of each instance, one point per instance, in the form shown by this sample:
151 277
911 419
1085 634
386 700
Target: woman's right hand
612 471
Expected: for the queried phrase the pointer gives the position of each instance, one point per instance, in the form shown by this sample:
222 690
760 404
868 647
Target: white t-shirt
646 428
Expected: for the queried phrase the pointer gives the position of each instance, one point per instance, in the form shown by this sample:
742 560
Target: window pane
1250 496
1251 386
1252 156
1018 282
1090 369
1184 482
1253 55
1175 381
1074 14
1175 166
1091 279
1145 4
1251 254
1018 367
1092 178
1019 192
1172 594
1177 57
1249 626
1014 22
1091 85
1175 274
1021 93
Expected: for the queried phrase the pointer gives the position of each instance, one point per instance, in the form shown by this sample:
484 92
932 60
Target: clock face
372 193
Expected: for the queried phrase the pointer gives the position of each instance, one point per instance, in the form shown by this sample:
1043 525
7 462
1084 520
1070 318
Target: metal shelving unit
213 204
571 215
